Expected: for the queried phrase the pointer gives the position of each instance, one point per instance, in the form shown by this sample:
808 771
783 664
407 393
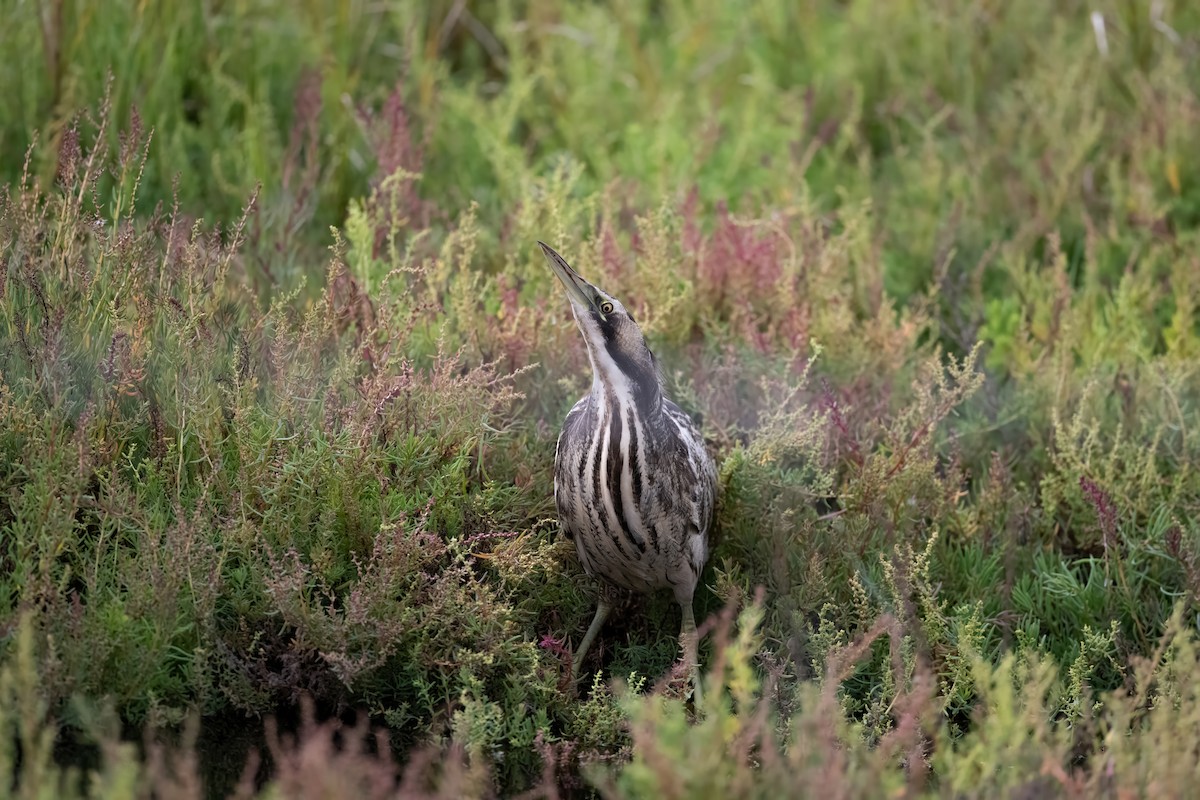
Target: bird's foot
697 690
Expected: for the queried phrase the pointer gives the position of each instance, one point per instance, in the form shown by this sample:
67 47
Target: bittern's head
618 352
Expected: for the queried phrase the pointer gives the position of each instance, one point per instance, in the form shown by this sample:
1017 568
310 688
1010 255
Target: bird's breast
629 489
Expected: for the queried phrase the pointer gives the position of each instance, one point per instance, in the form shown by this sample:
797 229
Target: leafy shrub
924 273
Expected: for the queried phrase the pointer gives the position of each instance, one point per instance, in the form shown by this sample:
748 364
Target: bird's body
634 491
634 485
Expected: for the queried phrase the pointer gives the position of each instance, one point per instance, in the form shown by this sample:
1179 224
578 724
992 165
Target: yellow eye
606 307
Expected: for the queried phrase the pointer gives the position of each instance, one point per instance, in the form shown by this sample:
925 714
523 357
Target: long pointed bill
577 288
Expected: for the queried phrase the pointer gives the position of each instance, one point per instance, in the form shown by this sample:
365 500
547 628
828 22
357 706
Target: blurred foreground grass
281 374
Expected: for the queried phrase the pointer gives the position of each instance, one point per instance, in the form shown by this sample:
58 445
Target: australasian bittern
633 483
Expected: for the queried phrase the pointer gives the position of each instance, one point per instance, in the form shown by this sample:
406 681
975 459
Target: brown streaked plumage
633 483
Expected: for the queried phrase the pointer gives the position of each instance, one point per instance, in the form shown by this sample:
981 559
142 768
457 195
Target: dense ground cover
281 371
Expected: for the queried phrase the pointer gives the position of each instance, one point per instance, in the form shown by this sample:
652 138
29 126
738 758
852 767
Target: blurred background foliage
281 373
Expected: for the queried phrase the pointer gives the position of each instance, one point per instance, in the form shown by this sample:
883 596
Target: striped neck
638 383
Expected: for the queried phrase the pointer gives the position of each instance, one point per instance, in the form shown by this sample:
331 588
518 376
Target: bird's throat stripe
636 477
616 478
643 382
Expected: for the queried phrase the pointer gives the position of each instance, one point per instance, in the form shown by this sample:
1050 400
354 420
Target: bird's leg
688 640
603 608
